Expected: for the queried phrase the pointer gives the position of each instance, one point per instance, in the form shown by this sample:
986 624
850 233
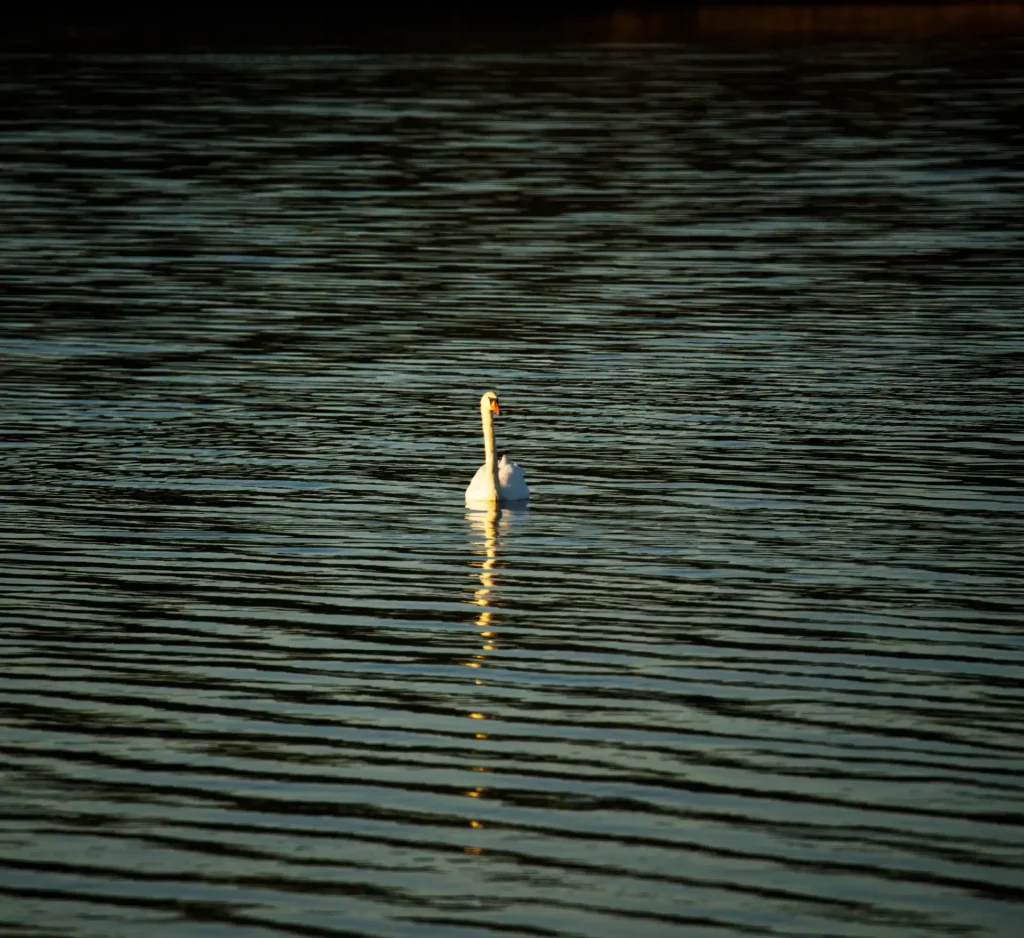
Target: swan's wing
512 481
480 487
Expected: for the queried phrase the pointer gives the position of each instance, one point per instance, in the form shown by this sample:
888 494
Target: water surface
750 663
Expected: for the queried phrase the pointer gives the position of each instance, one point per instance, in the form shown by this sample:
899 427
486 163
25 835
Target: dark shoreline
448 26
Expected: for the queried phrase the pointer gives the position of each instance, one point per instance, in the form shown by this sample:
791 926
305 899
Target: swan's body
511 485
495 482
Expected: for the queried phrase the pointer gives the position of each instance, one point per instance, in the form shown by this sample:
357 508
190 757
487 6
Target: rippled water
751 663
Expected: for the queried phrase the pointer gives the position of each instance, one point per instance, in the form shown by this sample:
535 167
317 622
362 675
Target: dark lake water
752 661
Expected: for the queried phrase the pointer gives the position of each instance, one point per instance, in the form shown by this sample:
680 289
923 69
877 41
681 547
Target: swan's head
489 402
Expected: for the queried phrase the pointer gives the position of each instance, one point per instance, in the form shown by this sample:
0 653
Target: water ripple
751 661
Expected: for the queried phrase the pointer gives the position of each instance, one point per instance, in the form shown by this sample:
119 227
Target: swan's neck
489 460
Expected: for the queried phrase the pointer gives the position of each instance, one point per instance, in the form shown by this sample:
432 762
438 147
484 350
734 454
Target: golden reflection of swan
486 525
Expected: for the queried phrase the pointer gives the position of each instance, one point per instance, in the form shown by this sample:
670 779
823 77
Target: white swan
495 482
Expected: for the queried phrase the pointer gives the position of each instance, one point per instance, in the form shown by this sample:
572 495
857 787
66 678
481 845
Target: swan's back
512 481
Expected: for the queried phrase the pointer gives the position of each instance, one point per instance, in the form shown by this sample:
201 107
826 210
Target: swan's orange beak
495 407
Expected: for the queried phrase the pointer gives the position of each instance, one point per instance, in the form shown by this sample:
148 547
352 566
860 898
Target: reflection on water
486 525
751 664
491 524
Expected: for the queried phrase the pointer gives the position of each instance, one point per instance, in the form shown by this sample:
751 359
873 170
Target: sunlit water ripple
751 663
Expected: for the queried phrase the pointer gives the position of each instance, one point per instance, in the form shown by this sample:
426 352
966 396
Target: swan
495 482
